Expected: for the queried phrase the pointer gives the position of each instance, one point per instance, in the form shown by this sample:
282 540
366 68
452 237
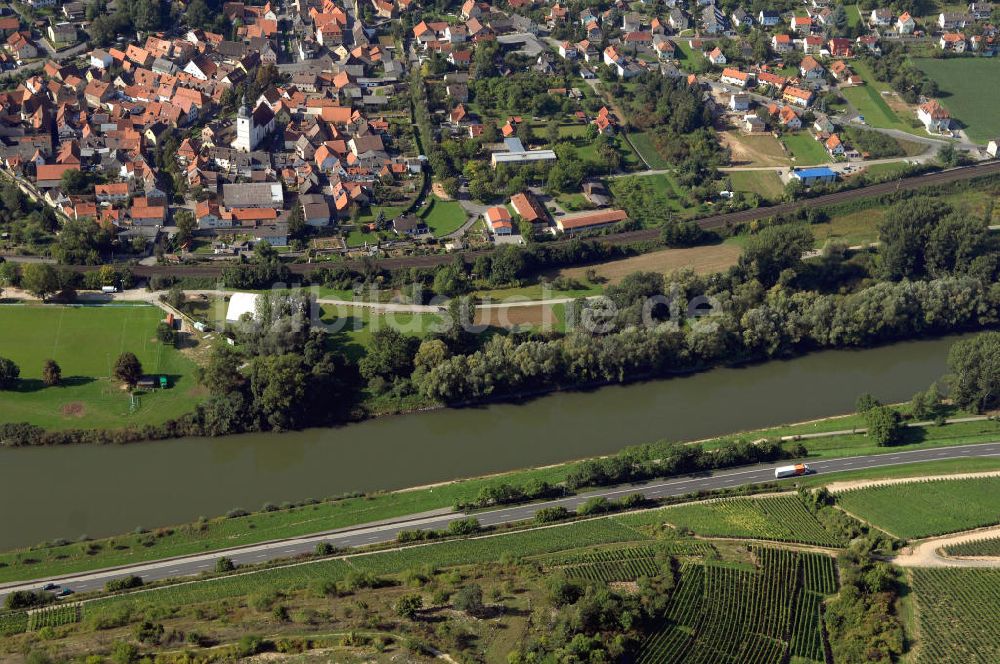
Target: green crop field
988 546
725 614
970 90
444 554
913 510
85 341
957 609
780 518
444 217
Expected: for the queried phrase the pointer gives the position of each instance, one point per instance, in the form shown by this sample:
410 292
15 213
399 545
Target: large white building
252 128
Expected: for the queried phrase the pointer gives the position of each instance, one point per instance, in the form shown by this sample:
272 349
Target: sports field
85 341
970 90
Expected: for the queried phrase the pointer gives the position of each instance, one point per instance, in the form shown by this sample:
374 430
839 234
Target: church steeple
244 111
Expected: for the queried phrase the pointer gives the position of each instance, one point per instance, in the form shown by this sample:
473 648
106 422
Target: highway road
381 532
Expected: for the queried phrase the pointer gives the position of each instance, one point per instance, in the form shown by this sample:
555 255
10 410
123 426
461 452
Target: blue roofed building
811 176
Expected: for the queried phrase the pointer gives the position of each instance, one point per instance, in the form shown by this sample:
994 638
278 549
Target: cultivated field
703 260
924 509
957 609
780 518
976 548
970 90
731 614
85 341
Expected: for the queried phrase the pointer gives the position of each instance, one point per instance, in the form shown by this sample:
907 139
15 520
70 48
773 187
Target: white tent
239 304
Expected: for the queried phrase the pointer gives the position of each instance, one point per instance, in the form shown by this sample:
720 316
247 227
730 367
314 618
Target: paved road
386 531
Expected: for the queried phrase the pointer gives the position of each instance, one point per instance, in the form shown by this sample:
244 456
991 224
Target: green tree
128 369
450 280
409 605
974 372
866 402
186 226
39 279
884 425
166 333
469 599
278 385
774 250
51 373
390 355
8 373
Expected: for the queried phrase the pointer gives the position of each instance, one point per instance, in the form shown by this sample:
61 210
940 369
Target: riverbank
102 490
275 522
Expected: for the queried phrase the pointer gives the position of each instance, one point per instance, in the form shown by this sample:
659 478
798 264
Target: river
51 492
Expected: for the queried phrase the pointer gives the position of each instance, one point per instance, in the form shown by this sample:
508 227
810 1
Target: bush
550 514
124 583
8 373
224 564
409 605
468 526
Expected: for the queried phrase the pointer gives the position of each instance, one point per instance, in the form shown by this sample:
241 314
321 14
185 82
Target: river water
53 492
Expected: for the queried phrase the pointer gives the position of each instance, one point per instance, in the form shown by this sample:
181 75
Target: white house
934 116
739 101
993 148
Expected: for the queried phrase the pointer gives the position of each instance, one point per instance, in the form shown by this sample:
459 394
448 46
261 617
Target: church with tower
252 127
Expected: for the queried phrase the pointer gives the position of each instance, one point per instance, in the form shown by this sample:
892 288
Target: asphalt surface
713 222
386 531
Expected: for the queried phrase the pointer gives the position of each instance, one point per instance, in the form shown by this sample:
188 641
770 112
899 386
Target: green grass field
779 518
957 610
85 341
443 217
970 90
914 510
806 150
355 325
644 144
765 184
870 103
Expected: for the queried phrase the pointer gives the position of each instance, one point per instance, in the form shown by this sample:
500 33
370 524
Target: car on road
65 592
50 586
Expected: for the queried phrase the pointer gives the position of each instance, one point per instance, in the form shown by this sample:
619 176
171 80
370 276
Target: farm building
811 176
585 221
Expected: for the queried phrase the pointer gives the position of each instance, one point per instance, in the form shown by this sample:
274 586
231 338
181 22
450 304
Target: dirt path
840 487
927 553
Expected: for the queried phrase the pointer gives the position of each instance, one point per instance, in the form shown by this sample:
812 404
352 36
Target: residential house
677 20
823 124
568 50
802 24
498 220
905 25
934 116
993 148
315 210
781 43
742 18
839 47
409 224
20 46
952 20
768 18
880 17
61 34
981 11
529 209
739 101
789 119
953 41
735 77
753 124
713 21
834 146
716 56
798 96
810 69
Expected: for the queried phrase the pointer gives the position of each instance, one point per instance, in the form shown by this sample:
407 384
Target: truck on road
792 471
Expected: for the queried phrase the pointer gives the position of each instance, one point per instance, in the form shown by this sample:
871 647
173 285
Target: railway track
708 223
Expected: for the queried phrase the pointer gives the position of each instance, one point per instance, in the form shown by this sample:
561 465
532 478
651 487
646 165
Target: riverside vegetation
934 273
